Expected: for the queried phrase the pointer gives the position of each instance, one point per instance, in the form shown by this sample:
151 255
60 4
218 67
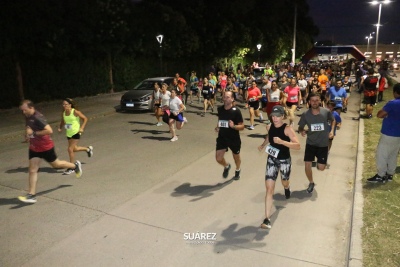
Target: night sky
350 21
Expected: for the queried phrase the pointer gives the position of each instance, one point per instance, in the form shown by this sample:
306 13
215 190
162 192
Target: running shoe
376 179
251 127
185 120
78 169
90 151
310 188
212 109
226 171
266 224
287 193
68 171
389 177
175 138
261 118
159 124
29 198
237 175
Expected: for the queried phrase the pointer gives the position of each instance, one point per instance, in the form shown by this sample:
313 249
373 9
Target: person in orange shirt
322 82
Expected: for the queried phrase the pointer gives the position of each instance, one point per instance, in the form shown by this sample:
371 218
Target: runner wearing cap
281 138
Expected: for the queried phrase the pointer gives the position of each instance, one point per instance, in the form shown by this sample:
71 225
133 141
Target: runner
176 108
71 121
275 97
370 92
347 84
156 96
194 81
41 146
281 139
230 122
316 118
331 105
292 97
208 94
338 94
253 102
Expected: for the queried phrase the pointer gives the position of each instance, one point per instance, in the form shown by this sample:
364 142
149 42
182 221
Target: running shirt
318 131
347 86
292 94
337 95
174 104
253 92
370 83
165 98
224 116
72 123
207 90
275 96
323 80
37 122
278 151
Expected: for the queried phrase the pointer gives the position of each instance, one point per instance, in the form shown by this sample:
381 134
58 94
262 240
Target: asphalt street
141 197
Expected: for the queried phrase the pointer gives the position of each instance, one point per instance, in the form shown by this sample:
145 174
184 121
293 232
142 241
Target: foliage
86 47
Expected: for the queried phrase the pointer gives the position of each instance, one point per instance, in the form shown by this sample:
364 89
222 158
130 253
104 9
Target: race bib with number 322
223 124
317 127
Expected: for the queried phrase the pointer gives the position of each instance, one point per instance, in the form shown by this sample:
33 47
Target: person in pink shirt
253 99
292 97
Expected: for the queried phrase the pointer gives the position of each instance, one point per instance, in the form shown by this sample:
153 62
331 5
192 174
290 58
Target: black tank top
284 151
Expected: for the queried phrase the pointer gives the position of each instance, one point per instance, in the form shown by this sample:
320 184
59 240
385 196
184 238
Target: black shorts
290 104
370 100
233 144
207 96
48 155
274 166
254 104
303 93
314 151
75 136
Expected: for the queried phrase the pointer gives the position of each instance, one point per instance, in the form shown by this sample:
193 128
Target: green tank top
72 123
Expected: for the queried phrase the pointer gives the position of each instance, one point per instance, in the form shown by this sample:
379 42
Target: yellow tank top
72 123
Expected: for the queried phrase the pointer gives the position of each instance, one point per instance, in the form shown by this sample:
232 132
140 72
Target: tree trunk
110 73
20 84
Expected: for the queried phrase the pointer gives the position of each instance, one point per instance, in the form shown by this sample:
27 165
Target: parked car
258 74
139 98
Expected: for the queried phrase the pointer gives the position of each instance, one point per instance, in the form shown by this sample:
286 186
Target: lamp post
259 48
379 22
159 40
369 37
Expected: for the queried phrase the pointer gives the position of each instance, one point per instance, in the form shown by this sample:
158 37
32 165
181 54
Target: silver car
139 98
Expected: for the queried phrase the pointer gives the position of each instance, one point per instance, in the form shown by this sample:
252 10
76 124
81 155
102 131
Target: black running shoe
389 177
310 188
226 171
266 224
287 193
376 179
237 175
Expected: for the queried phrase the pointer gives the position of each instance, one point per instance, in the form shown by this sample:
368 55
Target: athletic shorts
177 118
370 100
274 166
314 151
207 96
48 155
303 93
290 104
75 136
233 144
254 104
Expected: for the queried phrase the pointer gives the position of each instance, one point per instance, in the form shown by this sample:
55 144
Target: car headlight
145 98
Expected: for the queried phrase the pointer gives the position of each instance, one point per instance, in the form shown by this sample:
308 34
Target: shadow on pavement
18 204
256 135
201 191
240 238
142 122
157 138
154 132
26 170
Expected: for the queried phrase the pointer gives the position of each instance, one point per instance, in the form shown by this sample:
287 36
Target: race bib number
293 98
272 151
223 124
68 126
275 99
252 100
338 98
317 127
205 92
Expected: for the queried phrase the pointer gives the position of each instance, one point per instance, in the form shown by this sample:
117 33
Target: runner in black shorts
230 122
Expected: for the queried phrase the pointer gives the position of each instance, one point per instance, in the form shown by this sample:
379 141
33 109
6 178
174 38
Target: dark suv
139 98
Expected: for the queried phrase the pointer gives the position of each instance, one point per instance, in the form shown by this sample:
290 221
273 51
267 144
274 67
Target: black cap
278 111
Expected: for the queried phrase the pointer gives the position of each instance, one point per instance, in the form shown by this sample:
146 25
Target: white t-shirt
275 95
165 98
302 84
174 104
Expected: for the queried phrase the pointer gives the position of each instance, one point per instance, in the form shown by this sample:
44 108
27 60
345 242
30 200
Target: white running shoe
175 138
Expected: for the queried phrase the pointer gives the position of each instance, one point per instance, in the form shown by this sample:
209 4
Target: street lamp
259 48
379 22
369 38
159 40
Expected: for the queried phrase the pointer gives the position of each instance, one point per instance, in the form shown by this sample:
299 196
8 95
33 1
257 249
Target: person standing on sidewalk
389 142
230 122
317 119
70 120
281 139
41 146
